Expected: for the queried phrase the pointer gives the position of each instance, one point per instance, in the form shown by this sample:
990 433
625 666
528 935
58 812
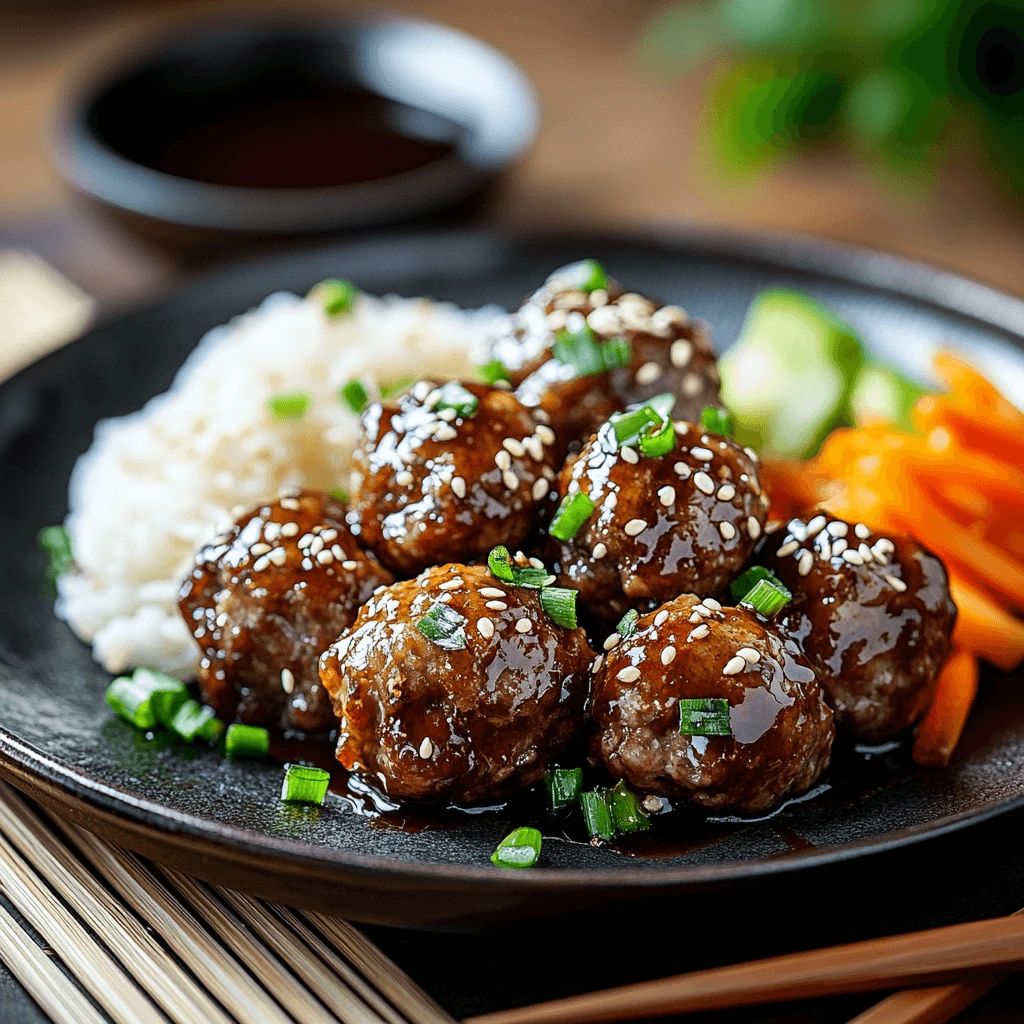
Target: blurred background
894 125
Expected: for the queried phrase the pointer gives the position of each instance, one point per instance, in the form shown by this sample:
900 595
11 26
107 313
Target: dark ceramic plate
223 820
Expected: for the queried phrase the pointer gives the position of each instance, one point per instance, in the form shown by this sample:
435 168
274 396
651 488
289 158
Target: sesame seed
862 531
546 434
879 555
648 373
485 627
222 619
289 529
448 415
597 663
865 552
259 549
815 526
535 562
668 655
611 501
853 557
316 545
278 556
324 557
896 583
682 469
753 527
635 527
702 453
533 445
628 455
825 549
839 545
574 486
445 433
788 548
452 584
710 602
797 529
540 488
653 803
328 535
379 590
287 680
305 540
260 564
514 447
503 460
496 606
681 353
291 504
749 655
348 564
510 480
660 618
523 625
727 530
600 550
599 297
734 666
885 545
612 641
691 385
726 492
404 478
699 632
272 531
704 483
491 592
695 616
804 562
837 529
700 611
458 486
667 496
426 748
629 674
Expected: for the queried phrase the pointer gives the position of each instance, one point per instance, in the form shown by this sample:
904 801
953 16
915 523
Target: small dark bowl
446 90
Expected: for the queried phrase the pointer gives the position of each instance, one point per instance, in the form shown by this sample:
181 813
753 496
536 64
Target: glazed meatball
684 522
470 714
667 352
770 739
438 484
871 612
266 599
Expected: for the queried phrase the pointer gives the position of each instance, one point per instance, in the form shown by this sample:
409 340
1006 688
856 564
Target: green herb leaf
355 396
560 605
340 494
704 716
573 512
597 814
627 624
336 296
617 353
492 372
292 405
304 784
56 542
246 741
455 396
396 387
499 561
580 350
444 626
627 814
767 597
519 849
714 420
564 786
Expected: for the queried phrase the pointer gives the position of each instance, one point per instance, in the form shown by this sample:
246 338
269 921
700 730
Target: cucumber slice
883 393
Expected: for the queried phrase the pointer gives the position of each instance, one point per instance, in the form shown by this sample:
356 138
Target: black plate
223 821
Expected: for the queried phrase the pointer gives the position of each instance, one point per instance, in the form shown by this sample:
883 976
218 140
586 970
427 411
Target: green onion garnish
246 741
519 849
616 353
630 426
627 624
499 561
56 542
492 372
290 406
560 604
704 716
196 721
455 396
767 597
716 421
650 426
304 784
574 511
580 350
744 583
340 494
627 814
395 387
133 698
586 275
655 443
564 786
355 396
597 814
444 626
336 295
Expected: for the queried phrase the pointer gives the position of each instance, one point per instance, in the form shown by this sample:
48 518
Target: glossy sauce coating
264 600
685 522
688 649
422 721
433 487
873 614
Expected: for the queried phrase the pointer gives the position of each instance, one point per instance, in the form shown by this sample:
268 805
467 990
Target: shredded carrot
986 628
940 731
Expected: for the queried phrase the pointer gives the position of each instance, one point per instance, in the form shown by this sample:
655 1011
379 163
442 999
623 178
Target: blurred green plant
893 79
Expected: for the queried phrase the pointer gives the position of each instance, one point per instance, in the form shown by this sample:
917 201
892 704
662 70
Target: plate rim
868 268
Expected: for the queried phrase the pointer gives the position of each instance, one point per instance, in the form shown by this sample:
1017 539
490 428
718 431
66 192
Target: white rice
157 484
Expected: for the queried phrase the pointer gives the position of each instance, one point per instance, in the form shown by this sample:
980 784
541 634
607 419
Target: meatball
873 615
469 715
667 352
684 522
266 598
447 473
761 730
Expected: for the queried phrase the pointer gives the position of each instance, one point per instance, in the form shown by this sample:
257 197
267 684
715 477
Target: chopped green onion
597 814
654 443
630 426
395 387
650 425
560 604
355 396
340 494
194 720
617 353
290 406
574 511
627 624
627 814
444 626
133 699
337 296
492 372
579 349
499 561
246 741
716 421
519 849
662 404
304 784
563 786
455 396
744 583
586 275
704 716
56 542
767 597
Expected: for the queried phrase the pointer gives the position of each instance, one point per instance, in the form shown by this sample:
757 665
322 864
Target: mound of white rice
158 483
